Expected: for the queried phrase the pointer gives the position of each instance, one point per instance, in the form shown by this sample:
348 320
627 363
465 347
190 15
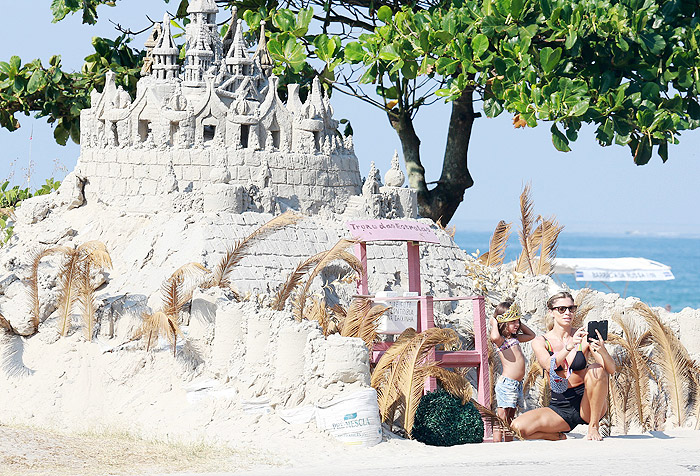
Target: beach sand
27 451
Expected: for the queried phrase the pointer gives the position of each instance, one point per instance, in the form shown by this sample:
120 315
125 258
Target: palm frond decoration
527 219
5 324
318 312
32 283
362 320
75 275
177 290
639 371
497 245
222 271
8 212
294 279
160 324
449 231
68 279
336 252
454 383
538 379
673 360
550 231
583 309
401 372
620 391
487 413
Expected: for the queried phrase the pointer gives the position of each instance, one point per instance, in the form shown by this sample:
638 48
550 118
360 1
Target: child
507 332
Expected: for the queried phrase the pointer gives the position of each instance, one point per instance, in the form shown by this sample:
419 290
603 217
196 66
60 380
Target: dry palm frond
294 279
384 378
234 255
362 320
638 369
69 279
160 324
5 324
454 383
86 297
497 245
319 313
33 281
449 231
96 253
491 355
414 367
549 236
92 254
336 252
495 420
176 292
527 220
620 389
672 358
538 379
340 311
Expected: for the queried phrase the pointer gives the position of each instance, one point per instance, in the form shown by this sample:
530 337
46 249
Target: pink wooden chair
367 231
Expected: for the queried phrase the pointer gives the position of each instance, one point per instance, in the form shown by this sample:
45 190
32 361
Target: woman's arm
495 336
527 333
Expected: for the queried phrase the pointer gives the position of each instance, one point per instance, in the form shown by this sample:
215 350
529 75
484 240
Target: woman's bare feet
593 434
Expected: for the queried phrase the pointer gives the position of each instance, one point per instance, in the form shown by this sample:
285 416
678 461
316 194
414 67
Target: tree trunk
441 202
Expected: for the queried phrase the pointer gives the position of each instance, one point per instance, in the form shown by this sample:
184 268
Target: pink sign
391 230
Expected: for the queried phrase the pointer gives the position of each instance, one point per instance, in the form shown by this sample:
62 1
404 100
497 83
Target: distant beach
680 252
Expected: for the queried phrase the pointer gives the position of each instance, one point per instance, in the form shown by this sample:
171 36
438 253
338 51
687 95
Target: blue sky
591 189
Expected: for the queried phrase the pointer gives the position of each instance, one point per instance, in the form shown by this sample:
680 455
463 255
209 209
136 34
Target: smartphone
601 326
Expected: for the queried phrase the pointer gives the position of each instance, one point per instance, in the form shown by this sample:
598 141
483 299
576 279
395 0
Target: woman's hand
598 345
601 355
579 336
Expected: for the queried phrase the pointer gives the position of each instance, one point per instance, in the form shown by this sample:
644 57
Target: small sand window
209 133
245 132
144 130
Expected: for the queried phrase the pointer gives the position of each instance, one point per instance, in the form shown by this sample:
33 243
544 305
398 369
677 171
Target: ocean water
681 253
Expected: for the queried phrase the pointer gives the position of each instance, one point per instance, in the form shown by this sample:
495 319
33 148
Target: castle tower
203 44
165 54
262 54
237 61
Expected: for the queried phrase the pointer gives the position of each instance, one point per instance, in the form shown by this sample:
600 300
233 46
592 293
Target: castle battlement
217 119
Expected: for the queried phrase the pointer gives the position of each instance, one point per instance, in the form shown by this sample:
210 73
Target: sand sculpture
199 159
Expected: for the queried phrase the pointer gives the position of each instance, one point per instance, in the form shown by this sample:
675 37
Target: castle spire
262 53
165 53
237 60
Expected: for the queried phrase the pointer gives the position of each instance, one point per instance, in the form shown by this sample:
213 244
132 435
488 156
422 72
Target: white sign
401 316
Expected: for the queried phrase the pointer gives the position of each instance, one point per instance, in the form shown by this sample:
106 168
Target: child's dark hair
501 308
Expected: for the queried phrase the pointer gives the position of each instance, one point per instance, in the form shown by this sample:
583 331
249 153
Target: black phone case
602 327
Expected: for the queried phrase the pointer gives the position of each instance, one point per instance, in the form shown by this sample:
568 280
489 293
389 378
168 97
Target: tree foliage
629 68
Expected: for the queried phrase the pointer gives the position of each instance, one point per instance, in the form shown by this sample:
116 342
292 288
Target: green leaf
60 135
410 69
389 53
549 58
492 108
561 143
384 14
663 151
36 82
284 20
653 42
580 108
642 151
571 38
354 52
15 63
480 43
546 6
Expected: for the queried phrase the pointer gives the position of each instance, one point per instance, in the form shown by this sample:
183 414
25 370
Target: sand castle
200 158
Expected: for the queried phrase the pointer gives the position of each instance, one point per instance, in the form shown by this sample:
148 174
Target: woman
585 399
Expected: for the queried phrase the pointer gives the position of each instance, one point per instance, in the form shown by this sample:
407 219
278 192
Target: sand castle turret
219 111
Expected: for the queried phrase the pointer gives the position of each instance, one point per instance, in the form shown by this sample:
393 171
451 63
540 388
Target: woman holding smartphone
585 399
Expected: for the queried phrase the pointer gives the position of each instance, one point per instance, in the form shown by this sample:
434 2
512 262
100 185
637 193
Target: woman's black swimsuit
568 404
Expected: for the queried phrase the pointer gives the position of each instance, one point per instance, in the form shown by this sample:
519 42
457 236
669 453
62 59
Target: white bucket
352 419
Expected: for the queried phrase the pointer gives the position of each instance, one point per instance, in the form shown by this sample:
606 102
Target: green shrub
442 420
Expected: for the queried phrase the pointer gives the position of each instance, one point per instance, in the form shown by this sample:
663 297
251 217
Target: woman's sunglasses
562 309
